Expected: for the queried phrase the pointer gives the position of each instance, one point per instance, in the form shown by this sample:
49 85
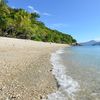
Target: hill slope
19 23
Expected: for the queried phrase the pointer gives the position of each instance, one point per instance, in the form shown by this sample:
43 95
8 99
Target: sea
77 71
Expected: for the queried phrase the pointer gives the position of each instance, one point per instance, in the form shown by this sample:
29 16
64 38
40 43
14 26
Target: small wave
67 86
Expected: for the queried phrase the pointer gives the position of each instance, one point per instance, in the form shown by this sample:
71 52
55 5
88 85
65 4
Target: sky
79 18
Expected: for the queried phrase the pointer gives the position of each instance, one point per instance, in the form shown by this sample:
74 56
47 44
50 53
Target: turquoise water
86 56
83 65
77 71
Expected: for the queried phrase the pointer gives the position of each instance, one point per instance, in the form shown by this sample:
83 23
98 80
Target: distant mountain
89 43
97 43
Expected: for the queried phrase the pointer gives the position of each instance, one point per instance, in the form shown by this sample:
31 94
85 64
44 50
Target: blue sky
80 18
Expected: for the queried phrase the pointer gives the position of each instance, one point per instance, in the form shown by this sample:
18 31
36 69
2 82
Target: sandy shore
25 69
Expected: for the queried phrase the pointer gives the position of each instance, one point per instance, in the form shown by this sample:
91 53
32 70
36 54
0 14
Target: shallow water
83 65
77 70
67 86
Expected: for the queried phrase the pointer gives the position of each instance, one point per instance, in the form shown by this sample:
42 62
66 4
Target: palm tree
3 2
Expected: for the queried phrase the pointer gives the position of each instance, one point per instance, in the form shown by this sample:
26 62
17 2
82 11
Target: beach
26 70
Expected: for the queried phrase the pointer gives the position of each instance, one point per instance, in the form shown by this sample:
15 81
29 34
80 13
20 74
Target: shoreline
26 69
66 85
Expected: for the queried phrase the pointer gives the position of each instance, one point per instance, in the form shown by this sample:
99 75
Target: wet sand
25 69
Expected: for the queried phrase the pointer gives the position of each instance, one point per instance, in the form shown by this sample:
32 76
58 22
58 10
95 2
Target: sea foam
67 86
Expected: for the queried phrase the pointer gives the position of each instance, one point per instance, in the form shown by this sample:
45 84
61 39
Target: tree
22 24
3 2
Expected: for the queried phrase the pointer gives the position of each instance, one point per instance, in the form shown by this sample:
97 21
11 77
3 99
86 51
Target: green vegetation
19 23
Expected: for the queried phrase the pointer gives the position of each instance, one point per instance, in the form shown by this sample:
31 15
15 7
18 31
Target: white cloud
13 7
32 9
46 14
58 25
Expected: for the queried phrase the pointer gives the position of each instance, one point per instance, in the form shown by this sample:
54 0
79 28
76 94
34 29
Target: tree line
19 23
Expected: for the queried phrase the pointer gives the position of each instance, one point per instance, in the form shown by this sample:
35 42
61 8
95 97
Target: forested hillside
19 23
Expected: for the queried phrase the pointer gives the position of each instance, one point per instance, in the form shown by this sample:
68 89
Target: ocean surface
77 70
